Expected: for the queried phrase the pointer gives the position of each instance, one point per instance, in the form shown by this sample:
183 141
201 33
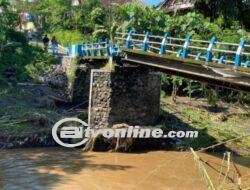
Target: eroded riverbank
27 117
55 168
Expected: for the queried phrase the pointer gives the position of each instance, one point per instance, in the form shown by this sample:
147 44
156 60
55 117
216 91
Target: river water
64 169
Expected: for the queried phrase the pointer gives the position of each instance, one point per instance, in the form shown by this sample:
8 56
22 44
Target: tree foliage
8 21
61 15
142 19
91 21
229 10
52 14
95 21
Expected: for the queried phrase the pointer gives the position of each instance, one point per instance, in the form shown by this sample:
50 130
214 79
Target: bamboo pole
228 169
221 143
210 184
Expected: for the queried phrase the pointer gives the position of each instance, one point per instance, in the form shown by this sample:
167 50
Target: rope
221 143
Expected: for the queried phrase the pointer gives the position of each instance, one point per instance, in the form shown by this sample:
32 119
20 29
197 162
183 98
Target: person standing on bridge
45 42
54 45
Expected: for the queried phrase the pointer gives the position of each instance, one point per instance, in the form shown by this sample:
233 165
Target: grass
28 63
71 75
212 127
16 107
31 62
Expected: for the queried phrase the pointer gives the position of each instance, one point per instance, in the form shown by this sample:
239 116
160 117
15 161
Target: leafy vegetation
24 62
66 37
228 10
91 21
7 22
20 61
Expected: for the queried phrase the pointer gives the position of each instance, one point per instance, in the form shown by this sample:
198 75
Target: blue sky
152 2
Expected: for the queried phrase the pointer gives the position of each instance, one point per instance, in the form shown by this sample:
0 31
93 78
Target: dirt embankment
28 111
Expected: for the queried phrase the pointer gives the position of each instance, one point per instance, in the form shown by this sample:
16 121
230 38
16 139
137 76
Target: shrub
15 36
65 37
27 62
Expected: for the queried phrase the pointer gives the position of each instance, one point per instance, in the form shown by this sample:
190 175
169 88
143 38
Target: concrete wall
126 96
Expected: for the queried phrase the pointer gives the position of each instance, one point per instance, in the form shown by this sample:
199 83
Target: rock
56 79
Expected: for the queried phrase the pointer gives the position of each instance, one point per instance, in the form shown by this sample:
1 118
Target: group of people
54 44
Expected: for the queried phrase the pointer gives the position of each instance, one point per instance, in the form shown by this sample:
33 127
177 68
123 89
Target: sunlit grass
212 129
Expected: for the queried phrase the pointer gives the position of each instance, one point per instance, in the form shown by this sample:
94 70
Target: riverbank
215 124
27 113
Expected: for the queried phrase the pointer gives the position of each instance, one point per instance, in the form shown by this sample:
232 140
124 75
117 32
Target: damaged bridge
218 63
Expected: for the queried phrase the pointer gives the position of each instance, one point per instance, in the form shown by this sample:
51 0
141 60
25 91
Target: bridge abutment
127 95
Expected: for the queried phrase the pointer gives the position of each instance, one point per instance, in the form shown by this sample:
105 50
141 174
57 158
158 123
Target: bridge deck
221 75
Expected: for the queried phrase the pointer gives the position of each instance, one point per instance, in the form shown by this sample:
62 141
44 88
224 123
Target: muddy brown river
63 169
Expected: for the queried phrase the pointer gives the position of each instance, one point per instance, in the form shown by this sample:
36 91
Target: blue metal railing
234 54
96 49
208 51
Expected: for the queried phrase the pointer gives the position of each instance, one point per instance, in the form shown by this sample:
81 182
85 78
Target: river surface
63 169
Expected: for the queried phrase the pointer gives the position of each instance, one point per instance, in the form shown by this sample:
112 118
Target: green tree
53 14
141 18
8 21
87 14
229 9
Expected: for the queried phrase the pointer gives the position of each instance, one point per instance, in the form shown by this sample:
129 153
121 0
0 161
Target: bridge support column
126 96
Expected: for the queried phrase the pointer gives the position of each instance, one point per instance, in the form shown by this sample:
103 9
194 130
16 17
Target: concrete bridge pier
128 95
